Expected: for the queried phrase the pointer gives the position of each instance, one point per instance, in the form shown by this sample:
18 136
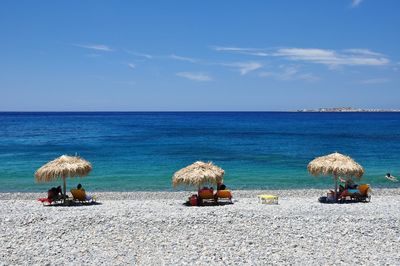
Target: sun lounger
80 196
364 193
224 195
51 199
206 195
361 194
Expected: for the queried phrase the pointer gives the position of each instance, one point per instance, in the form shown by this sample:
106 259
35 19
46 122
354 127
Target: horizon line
364 110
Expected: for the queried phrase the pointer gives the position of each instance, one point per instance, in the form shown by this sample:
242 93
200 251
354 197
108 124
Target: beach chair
206 195
225 195
79 195
361 194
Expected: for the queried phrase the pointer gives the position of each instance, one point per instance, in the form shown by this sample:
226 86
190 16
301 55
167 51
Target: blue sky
199 55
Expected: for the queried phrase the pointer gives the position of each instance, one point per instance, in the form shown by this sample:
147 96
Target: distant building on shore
347 109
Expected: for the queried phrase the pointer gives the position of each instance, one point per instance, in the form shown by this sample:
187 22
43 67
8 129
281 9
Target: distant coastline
348 109
113 112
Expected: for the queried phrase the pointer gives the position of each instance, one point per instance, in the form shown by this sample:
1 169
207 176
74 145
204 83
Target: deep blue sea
141 151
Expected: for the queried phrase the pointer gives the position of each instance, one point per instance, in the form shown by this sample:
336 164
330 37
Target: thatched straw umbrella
335 164
198 174
63 167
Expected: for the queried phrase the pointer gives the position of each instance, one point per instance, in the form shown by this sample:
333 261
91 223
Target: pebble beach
156 228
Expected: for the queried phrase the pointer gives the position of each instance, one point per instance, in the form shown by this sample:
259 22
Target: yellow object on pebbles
268 199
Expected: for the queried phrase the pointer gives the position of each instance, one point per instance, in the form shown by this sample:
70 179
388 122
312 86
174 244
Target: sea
140 151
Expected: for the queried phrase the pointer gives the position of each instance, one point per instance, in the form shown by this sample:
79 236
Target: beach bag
193 200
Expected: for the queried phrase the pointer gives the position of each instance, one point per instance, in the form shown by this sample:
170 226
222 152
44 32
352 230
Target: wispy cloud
196 76
375 81
307 77
287 73
355 3
182 58
353 57
248 51
143 55
130 65
349 57
97 47
244 67
362 51
229 48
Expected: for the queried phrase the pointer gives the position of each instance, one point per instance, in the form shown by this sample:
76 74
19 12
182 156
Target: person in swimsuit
348 183
391 178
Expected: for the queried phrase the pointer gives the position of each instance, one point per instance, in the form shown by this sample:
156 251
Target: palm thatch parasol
198 174
335 164
63 167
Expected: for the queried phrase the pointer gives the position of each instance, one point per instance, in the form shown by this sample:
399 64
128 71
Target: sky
199 55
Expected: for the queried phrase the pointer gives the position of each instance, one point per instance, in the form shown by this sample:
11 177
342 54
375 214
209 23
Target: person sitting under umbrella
221 186
348 188
87 197
348 183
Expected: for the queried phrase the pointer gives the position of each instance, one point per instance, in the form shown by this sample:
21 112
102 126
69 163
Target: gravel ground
148 228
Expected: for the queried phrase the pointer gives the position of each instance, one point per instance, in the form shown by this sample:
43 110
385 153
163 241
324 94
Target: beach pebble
148 228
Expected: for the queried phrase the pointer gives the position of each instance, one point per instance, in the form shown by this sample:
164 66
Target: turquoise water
141 151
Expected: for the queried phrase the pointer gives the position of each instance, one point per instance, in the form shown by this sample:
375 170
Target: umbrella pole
336 187
64 189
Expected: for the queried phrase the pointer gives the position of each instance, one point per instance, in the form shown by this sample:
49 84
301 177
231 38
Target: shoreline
318 187
176 195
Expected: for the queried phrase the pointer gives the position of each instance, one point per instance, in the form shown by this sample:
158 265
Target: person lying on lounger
55 193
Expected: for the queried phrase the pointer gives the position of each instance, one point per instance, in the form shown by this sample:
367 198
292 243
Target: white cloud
235 49
353 57
308 77
375 81
332 58
196 76
97 47
355 3
290 73
305 53
130 65
244 67
182 58
362 51
247 51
